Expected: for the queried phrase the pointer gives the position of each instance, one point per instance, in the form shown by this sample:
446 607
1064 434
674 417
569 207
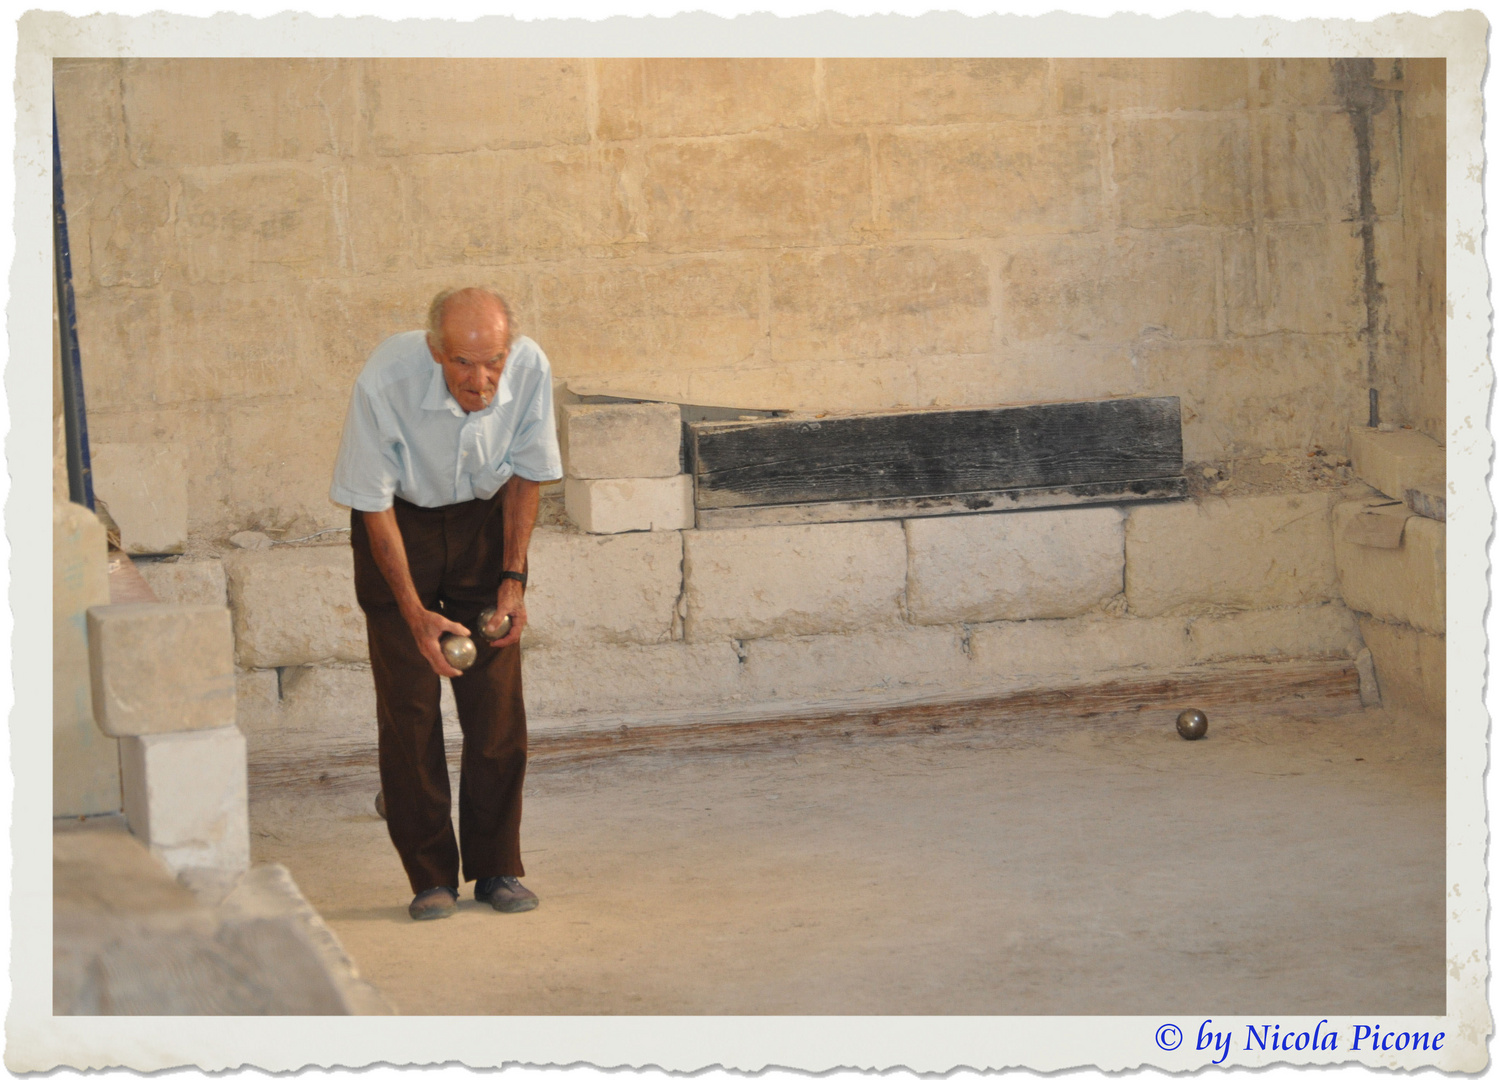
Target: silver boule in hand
499 631
1192 724
459 651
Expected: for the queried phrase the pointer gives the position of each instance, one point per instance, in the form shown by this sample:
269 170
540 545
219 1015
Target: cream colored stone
257 700
786 581
1182 171
418 106
1043 564
243 110
258 223
336 702
1075 650
1259 551
1322 630
989 181
128 230
1298 81
1393 461
605 680
1299 279
614 590
667 97
904 301
631 505
856 385
186 797
295 606
1021 374
1309 164
900 660
159 668
198 426
795 188
90 124
1407 584
677 316
85 763
145 487
1097 290
284 451
617 441
890 90
1155 85
186 580
1411 665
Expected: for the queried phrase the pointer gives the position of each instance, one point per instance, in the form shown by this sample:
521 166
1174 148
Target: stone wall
1256 236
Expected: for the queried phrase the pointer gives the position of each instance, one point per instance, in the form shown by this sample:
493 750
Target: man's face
472 356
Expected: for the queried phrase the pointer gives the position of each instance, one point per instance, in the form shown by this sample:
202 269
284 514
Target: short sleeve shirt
406 436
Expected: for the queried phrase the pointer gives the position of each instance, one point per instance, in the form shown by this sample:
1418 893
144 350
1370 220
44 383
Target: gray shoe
505 893
436 903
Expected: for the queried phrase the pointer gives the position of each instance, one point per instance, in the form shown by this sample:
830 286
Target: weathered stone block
906 301
1182 171
1295 278
786 581
1406 584
606 589
186 581
933 91
642 504
283 451
158 668
679 316
295 606
1076 649
257 700
905 659
128 230
85 763
616 441
90 123
1160 85
145 488
993 180
564 681
260 223
1022 374
1046 564
1411 665
1393 461
418 107
1309 165
186 797
794 187
1256 552
810 385
1074 290
1323 630
670 97
336 702
243 109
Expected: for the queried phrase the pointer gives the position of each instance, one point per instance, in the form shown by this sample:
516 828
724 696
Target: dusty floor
1278 866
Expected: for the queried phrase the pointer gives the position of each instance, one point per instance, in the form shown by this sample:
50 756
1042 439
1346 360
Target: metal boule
1192 724
380 802
500 631
459 651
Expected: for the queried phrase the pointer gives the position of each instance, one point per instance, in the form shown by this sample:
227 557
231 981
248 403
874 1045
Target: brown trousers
455 557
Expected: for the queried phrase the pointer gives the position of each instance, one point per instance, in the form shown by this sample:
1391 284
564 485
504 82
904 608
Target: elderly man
448 437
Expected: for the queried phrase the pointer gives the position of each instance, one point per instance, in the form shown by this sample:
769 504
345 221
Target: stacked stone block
624 468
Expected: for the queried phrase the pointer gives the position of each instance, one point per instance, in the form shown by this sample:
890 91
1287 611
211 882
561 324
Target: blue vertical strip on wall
75 416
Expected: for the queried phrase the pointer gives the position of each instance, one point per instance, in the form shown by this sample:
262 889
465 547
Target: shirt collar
439 398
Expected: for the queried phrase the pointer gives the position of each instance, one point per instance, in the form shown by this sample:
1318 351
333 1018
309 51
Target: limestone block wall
1261 237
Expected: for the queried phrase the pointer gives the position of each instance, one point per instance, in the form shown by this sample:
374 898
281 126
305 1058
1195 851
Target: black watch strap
513 575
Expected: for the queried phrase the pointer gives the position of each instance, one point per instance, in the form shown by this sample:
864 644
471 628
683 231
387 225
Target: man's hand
428 627
510 600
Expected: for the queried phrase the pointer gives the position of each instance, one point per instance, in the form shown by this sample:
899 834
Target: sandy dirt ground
1283 865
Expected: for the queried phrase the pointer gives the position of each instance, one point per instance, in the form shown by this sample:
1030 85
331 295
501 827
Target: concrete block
85 762
798 188
1177 171
257 700
295 606
186 797
1406 584
1396 461
336 702
1320 630
159 668
991 180
566 681
1046 564
870 302
606 589
1260 551
830 665
631 505
186 581
619 441
933 91
1411 665
1076 649
145 487
671 97
787 581
1158 85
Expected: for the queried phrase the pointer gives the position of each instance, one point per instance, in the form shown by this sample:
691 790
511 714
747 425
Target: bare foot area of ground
1283 865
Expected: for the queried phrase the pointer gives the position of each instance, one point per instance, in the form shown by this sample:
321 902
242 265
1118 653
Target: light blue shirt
406 436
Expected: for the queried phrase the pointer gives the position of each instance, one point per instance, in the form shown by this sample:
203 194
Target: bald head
468 333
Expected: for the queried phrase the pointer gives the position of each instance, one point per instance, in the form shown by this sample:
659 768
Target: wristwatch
513 575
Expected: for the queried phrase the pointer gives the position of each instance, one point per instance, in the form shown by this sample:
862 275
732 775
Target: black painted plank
769 462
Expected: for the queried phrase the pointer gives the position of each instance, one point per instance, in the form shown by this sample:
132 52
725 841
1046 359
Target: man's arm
519 500
427 627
